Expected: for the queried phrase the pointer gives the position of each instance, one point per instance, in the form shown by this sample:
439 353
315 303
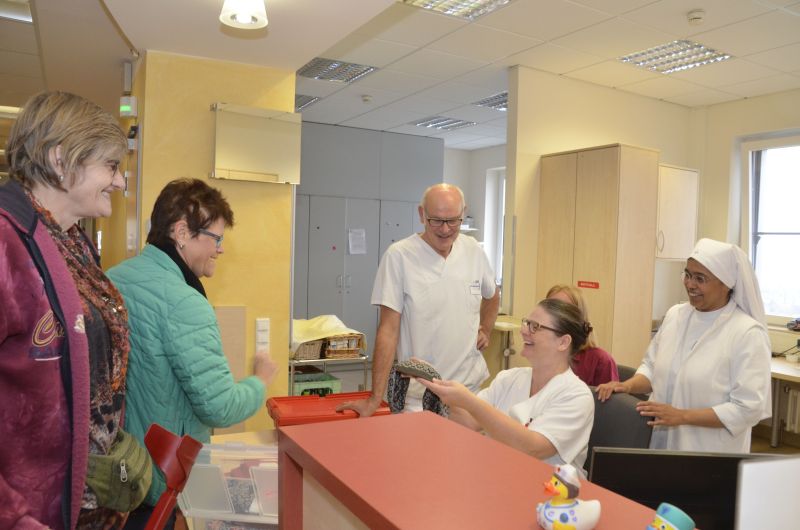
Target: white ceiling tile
670 15
435 64
485 130
347 104
614 38
475 144
661 87
383 119
458 92
425 105
543 20
360 49
23 64
758 34
612 73
482 42
552 58
410 25
785 58
725 73
493 77
501 123
398 81
615 7
701 98
475 113
18 36
765 85
315 87
459 135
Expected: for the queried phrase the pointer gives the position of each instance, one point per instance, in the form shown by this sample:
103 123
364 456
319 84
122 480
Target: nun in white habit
708 367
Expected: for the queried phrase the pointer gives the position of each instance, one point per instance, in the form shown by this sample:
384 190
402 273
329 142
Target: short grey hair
443 186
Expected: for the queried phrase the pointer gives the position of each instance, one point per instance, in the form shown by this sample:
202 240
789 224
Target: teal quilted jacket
178 375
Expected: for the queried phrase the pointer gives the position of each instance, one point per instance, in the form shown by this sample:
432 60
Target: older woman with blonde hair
63 325
592 364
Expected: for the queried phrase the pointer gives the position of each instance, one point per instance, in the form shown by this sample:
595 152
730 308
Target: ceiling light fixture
244 14
331 70
496 102
442 123
16 10
302 101
466 9
9 113
675 56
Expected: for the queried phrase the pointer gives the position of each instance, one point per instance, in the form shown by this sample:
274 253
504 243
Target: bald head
442 193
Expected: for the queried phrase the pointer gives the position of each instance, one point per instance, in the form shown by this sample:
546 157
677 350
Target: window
774 230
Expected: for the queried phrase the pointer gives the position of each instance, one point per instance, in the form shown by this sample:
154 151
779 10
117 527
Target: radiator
793 412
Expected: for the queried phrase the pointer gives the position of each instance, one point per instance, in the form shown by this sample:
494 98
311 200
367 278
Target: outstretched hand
452 393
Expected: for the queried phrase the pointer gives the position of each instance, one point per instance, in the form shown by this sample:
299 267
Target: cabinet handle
339 281
660 241
347 281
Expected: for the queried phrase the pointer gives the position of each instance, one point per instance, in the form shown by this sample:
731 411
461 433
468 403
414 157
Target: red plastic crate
296 410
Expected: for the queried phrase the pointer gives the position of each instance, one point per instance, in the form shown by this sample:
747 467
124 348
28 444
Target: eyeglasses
534 326
436 223
217 238
698 279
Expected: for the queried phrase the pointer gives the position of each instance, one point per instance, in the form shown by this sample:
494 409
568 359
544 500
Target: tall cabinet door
300 273
327 241
556 221
677 212
396 223
359 269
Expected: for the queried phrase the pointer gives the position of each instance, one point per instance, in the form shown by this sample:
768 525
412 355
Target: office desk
420 470
782 370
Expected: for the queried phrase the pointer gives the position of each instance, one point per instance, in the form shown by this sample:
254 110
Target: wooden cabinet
597 227
677 212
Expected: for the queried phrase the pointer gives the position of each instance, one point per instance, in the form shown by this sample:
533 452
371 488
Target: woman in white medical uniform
544 410
708 367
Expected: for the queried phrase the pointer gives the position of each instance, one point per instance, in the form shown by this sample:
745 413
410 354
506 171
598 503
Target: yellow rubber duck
565 511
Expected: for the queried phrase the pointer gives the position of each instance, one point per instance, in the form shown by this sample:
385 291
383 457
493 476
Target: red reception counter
419 470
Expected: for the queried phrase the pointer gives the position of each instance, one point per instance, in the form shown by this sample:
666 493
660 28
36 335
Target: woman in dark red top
593 365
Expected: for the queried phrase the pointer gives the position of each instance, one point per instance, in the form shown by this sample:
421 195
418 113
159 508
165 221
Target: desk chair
175 457
625 372
618 424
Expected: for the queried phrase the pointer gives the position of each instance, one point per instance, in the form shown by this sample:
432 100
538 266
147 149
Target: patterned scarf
94 287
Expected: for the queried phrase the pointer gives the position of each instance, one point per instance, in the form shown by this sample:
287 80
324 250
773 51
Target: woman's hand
605 390
663 414
451 393
265 368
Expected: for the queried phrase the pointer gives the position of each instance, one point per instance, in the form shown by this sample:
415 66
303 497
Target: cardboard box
297 410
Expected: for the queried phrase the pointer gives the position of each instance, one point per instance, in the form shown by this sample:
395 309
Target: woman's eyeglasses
698 279
534 326
217 238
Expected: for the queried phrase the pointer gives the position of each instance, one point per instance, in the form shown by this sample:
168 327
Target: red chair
175 457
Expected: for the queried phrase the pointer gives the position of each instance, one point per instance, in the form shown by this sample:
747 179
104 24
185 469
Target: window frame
748 147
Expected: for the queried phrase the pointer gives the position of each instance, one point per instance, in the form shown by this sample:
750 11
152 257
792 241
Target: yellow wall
177 141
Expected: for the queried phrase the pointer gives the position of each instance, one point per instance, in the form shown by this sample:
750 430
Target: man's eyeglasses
698 279
217 238
436 223
534 326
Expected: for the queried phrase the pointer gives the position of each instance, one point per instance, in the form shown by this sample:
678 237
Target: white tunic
562 411
439 302
727 369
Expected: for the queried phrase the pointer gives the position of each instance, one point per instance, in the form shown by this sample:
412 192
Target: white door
359 271
677 212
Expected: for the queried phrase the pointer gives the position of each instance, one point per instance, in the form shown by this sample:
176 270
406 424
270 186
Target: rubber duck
669 517
565 511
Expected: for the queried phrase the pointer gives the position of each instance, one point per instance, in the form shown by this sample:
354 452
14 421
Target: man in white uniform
438 301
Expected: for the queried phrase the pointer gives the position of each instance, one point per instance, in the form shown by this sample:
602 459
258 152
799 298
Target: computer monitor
701 484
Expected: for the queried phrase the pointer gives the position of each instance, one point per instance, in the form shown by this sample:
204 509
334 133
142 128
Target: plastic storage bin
296 410
316 384
233 487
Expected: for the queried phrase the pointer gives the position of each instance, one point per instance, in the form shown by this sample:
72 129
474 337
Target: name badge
475 288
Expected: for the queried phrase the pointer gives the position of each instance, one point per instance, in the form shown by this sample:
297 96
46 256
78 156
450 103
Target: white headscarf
730 264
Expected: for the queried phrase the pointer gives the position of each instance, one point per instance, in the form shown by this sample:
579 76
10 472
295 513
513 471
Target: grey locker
300 297
396 222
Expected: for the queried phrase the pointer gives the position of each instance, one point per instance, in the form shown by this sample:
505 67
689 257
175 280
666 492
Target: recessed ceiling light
331 70
244 14
302 101
675 56
18 10
496 102
442 123
466 9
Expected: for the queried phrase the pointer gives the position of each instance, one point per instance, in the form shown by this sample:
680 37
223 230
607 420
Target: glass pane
776 267
780 188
